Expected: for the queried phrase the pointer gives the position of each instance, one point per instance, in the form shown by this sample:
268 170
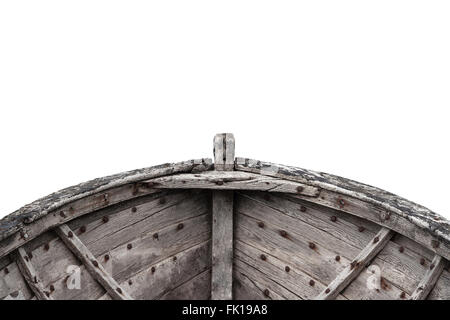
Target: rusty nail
312 283
130 282
106 257
174 258
312 245
376 239
83 229
300 189
422 261
26 258
302 208
401 249
129 246
353 264
133 209
266 292
431 266
153 269
30 255
261 224
283 233
333 218
6 271
35 279
263 257
155 236
52 288
162 200
119 290
70 234
95 263
287 269
61 213
337 258
327 290
361 229
105 219
180 226
46 247
402 295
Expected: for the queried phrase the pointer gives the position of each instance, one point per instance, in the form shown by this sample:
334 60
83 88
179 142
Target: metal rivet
155 236
105 219
337 258
333 218
361 229
162 200
402 295
30 255
376 239
61 213
312 245
133 209
401 249
83 229
174 258
130 282
283 233
153 269
119 290
46 247
129 246
327 290
263 257
422 261
303 209
106 257
353 264
312 283
266 292
287 269
6 270
52 288
95 263
180 226
300 189
70 234
261 224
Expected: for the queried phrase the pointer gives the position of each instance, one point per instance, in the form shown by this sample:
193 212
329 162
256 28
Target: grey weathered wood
12 281
224 151
92 265
30 275
232 180
222 246
441 290
427 283
357 265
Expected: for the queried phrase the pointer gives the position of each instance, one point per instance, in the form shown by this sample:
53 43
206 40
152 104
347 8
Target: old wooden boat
233 229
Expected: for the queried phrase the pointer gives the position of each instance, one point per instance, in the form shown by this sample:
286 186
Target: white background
359 89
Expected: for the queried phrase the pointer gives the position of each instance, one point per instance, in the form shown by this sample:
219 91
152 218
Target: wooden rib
30 275
92 265
232 180
357 265
429 280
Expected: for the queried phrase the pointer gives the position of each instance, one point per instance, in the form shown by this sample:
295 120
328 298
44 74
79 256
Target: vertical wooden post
222 223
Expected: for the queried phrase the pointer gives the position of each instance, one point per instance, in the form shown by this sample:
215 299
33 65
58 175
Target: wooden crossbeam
30 275
429 280
354 269
92 265
232 180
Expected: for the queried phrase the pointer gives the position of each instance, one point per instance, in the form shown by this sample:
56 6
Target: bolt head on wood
283 233
337 258
105 219
261 224
401 249
266 292
312 283
263 257
312 245
333 218
287 269
376 239
180 226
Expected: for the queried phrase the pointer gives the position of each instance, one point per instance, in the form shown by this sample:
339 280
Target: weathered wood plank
357 265
12 281
222 246
224 152
430 279
232 180
30 275
197 288
91 264
441 290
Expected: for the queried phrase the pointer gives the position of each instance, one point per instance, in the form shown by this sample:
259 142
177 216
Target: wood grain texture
427 283
224 151
12 282
222 245
30 275
90 262
356 266
441 290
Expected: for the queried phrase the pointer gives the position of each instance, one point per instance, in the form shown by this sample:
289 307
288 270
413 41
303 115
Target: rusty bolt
376 239
353 264
130 282
300 189
6 271
52 288
174 258
61 213
155 236
432 266
327 290
162 200
46 247
312 283
266 292
361 229
403 295
106 257
134 209
401 249
302 208
283 233
287 269
180 226
312 245
26 258
333 218
129 246
35 279
422 261
153 269
95 263
261 224
435 244
105 219
70 234
263 257
30 255
119 290
83 229
337 258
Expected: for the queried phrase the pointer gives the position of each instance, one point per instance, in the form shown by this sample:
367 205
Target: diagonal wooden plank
356 266
429 280
30 275
92 265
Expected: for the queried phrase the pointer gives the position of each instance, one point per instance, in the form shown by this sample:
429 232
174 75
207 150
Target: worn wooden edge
231 180
357 265
429 280
420 216
224 151
30 275
14 222
96 270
